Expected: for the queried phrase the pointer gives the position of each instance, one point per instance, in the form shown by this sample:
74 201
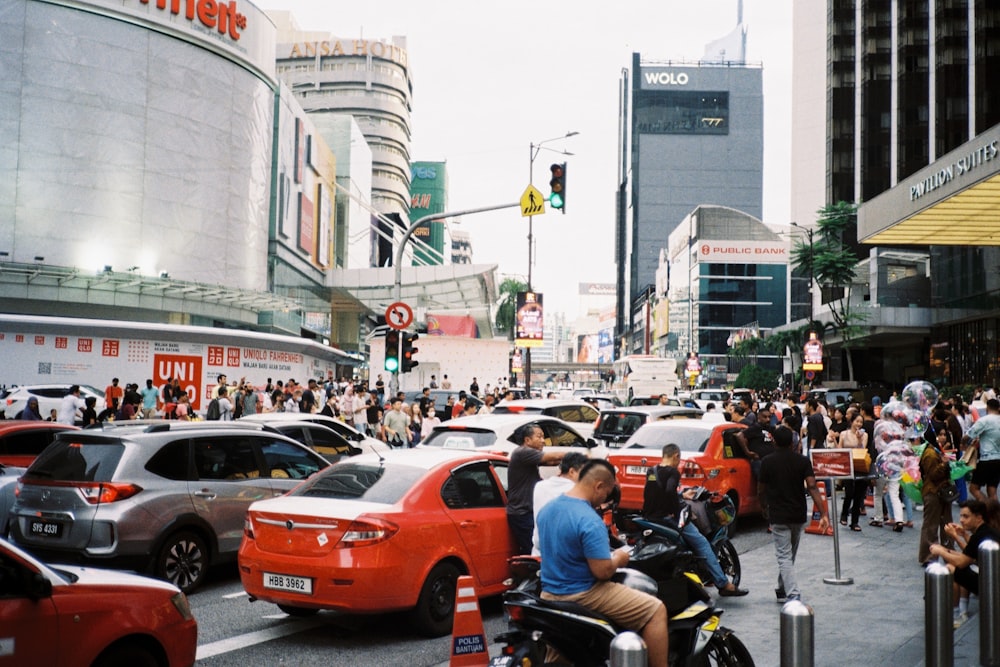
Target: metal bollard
797 635
989 603
939 634
628 650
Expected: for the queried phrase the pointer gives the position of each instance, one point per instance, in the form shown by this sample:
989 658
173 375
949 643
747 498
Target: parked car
602 401
8 484
495 432
615 426
705 396
359 439
14 400
706 460
66 615
22 441
168 498
653 400
440 397
416 518
580 414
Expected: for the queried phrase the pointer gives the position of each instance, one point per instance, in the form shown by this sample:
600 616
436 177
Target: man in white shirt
553 487
71 403
225 405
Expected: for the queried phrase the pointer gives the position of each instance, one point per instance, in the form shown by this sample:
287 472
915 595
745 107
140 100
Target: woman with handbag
855 437
936 481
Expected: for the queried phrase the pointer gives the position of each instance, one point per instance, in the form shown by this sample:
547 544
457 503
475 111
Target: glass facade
682 112
731 295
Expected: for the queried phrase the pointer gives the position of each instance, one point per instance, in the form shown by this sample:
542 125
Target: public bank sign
742 252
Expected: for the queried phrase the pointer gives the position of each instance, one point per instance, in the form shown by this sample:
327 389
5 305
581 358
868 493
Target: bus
644 376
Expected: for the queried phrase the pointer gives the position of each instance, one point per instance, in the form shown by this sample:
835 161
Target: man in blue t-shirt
985 434
577 561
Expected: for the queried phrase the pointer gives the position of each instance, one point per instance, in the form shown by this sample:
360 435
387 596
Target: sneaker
959 620
794 597
780 594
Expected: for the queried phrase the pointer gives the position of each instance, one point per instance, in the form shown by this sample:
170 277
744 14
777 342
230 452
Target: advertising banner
812 353
529 323
831 463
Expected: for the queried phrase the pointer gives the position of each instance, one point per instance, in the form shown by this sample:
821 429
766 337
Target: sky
490 79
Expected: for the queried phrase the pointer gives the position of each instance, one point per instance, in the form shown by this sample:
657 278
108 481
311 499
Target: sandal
876 523
843 522
898 528
856 528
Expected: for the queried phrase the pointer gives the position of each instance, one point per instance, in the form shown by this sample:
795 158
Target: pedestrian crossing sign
532 202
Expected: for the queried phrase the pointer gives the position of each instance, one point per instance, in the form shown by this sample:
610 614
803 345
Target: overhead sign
742 252
812 353
398 315
532 202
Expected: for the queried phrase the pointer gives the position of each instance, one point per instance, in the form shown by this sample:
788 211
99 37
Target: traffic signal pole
397 260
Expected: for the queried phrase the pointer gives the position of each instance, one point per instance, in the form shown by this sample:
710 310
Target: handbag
970 457
948 493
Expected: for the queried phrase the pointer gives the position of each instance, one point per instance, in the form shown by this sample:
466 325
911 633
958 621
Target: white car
356 437
50 396
580 414
495 432
705 396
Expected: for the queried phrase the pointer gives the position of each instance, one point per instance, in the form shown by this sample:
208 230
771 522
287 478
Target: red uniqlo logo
39 340
216 355
84 345
109 348
62 342
232 356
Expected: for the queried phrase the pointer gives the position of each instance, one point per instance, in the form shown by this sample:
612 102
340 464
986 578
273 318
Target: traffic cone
814 518
468 639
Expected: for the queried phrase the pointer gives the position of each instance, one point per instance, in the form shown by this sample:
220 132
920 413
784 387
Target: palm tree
507 306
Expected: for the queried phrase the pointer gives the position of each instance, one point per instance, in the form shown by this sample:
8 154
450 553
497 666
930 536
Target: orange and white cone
468 639
814 518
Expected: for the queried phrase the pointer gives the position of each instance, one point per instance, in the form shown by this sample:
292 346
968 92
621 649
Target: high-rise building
697 133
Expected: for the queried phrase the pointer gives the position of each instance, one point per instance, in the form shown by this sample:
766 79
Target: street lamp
809 232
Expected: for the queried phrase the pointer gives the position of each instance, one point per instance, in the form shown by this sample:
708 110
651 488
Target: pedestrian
71 403
449 405
782 476
474 387
854 437
362 399
433 383
429 422
935 475
985 435
973 528
459 408
380 390
396 425
182 411
416 424
816 430
225 405
150 396
553 487
113 391
374 418
445 382
487 406
522 475
221 381
89 415
250 400
31 411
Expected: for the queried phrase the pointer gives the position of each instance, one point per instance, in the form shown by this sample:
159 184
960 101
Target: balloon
920 395
896 411
887 431
919 422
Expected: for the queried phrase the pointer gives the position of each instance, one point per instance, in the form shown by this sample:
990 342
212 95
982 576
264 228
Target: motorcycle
712 514
567 632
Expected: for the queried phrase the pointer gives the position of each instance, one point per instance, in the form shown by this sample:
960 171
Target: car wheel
182 560
300 612
126 655
435 608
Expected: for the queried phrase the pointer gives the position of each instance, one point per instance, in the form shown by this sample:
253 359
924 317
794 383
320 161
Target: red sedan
378 533
21 441
66 615
706 460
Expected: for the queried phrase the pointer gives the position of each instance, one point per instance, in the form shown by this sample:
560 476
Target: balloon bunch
900 422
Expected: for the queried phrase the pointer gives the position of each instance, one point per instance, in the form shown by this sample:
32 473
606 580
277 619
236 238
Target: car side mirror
39 587
591 443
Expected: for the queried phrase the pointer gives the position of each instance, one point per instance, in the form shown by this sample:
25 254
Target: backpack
213 413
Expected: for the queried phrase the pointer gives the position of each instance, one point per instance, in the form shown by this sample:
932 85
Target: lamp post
809 232
533 150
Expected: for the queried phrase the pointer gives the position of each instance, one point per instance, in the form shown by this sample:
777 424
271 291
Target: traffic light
392 350
558 184
406 358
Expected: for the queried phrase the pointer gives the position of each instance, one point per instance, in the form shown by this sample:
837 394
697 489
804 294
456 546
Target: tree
755 377
830 261
507 305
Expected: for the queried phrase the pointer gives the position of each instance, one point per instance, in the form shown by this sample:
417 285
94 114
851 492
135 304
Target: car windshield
465 438
69 461
619 425
689 440
370 482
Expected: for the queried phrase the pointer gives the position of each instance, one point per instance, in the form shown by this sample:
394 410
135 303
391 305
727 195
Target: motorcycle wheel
725 650
729 560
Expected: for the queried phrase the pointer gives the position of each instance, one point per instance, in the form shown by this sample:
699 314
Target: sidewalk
877 620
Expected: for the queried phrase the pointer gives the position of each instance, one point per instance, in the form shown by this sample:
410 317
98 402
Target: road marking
212 649
234 595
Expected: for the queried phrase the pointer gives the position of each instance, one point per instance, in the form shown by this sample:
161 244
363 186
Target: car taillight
691 470
182 605
98 493
365 532
515 612
248 528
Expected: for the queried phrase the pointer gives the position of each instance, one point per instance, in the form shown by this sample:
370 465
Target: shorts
968 578
987 473
629 608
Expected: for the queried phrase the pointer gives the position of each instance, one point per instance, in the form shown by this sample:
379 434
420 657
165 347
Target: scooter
569 633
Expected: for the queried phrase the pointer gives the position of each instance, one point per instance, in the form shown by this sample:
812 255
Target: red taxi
706 460
72 615
383 532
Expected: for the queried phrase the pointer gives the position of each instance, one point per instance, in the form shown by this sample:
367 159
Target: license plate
45 528
635 470
284 582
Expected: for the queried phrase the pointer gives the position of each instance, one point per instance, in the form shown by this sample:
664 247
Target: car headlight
182 606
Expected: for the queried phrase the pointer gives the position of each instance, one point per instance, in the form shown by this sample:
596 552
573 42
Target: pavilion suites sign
964 165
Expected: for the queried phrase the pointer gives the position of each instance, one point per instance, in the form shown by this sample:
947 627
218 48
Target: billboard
812 353
529 323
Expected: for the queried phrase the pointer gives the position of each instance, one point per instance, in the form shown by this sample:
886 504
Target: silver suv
168 498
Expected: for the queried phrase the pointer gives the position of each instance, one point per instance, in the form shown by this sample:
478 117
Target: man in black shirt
661 503
815 425
969 533
783 475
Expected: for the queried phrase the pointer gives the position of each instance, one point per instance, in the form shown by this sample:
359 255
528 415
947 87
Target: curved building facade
138 137
365 78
